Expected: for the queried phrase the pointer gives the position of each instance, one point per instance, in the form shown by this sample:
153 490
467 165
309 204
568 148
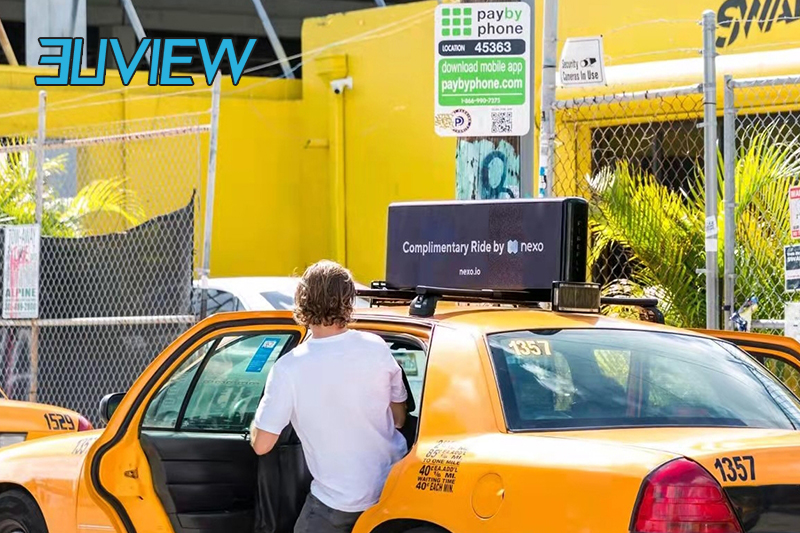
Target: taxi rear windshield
581 378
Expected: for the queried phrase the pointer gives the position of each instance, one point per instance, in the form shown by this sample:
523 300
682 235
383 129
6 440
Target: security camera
339 85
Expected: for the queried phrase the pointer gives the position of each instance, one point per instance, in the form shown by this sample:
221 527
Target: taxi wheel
423 529
20 514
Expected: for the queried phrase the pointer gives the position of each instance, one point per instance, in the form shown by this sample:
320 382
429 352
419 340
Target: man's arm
399 414
273 412
262 441
399 394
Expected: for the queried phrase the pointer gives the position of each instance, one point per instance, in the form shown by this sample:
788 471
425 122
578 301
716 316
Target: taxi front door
159 465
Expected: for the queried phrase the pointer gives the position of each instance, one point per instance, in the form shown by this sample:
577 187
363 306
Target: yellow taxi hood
24 417
37 464
774 452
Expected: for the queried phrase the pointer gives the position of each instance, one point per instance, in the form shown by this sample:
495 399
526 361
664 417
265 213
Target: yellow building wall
274 204
391 151
256 205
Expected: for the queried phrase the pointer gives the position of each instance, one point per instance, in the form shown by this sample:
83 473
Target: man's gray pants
316 517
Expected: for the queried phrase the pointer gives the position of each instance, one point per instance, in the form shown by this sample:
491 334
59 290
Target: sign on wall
792 267
482 85
582 63
21 272
794 211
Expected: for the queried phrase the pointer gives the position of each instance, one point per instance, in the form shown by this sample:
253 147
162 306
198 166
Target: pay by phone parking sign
482 67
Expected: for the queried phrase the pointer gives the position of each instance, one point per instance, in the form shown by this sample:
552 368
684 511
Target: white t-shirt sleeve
275 409
399 393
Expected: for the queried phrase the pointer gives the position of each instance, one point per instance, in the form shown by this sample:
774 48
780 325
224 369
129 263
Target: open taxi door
175 455
781 355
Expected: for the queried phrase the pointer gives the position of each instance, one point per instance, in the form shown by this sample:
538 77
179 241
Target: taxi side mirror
109 404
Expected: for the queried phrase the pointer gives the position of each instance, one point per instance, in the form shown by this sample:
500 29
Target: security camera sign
482 69
582 63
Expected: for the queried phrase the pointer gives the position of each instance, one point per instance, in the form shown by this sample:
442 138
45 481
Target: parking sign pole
547 131
40 155
526 150
491 161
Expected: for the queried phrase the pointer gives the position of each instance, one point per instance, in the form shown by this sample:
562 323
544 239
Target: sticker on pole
21 272
582 63
791 262
794 211
482 71
792 320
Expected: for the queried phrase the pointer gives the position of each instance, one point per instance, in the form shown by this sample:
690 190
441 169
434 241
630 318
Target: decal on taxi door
440 466
736 468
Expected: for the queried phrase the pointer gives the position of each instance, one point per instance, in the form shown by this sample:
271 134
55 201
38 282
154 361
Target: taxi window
786 372
581 378
413 361
224 396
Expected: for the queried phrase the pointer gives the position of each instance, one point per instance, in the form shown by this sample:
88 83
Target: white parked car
250 294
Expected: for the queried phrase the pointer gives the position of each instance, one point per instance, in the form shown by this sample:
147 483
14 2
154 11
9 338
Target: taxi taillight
84 424
682 497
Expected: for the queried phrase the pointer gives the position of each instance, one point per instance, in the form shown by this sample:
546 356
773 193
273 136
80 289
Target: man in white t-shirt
343 393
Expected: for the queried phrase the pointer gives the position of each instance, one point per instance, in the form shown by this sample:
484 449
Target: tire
423 529
20 514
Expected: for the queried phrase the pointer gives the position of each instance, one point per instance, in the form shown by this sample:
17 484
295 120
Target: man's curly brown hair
325 295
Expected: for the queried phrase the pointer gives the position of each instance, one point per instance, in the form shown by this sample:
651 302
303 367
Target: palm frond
63 217
663 230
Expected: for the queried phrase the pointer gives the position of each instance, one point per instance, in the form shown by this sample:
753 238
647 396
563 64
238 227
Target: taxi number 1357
530 347
736 468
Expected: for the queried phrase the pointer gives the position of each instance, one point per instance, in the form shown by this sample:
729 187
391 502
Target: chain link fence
763 127
638 158
119 247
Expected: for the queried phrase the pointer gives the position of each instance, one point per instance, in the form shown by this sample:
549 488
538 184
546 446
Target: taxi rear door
182 407
781 355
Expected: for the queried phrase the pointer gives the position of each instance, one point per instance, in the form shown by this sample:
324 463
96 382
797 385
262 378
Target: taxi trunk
758 469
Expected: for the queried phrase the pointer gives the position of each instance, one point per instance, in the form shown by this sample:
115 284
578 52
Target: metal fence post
729 151
209 202
710 127
40 139
41 136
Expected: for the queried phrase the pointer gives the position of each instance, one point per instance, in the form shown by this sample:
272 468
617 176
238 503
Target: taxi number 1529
59 422
530 347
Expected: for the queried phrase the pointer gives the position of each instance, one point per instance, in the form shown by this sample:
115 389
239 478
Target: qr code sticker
501 121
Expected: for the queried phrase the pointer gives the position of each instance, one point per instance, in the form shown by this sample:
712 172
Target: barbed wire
650 22
651 53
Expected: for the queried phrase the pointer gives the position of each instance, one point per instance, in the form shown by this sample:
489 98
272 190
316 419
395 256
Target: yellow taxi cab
529 409
21 421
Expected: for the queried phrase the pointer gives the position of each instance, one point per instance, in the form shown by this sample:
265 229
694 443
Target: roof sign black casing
487 244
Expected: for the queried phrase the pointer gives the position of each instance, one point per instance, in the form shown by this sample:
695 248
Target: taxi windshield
595 378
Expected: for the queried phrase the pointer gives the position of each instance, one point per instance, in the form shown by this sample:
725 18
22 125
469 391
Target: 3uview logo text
163 57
